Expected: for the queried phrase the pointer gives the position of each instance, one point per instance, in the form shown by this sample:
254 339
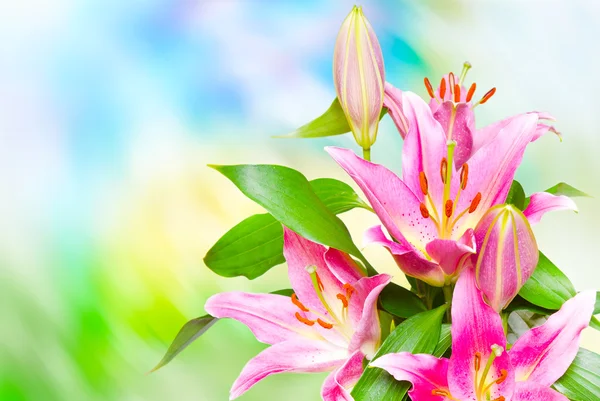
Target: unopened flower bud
358 76
507 254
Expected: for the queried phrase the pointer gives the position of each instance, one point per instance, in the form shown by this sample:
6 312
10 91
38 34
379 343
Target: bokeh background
110 111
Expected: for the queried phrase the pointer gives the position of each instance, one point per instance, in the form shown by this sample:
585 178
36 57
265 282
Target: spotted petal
534 392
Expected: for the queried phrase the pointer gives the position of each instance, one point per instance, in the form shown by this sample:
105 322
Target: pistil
481 389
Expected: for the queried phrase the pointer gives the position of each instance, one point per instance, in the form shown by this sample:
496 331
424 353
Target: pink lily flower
329 324
480 369
448 183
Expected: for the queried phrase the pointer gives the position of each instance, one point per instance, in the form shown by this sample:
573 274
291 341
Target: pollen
475 202
448 207
503 376
324 325
451 81
477 361
441 393
349 290
304 320
343 299
464 176
471 91
456 93
443 169
487 96
501 398
424 211
429 87
442 88
423 182
299 304
321 286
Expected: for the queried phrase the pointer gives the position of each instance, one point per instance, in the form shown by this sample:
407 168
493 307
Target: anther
464 176
442 88
448 207
325 325
349 290
423 182
343 299
424 211
501 398
475 202
456 93
477 361
304 320
429 87
471 91
299 304
441 393
321 286
451 81
503 376
487 96
444 169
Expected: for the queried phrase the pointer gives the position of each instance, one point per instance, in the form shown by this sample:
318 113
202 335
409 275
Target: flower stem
367 154
447 289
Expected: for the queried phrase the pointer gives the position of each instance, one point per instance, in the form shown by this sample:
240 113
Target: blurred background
110 111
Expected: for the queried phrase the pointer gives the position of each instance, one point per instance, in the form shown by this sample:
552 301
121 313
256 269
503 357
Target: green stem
367 154
447 289
505 322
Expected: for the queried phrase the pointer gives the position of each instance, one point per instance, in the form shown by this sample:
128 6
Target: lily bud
507 254
358 76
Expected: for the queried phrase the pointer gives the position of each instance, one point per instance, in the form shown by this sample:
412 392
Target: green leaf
565 189
547 287
516 195
188 333
332 122
249 249
521 304
595 323
288 196
400 302
581 382
255 245
286 292
418 334
444 342
597 307
338 196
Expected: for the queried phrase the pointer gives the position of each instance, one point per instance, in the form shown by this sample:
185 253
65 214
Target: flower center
452 88
334 319
449 216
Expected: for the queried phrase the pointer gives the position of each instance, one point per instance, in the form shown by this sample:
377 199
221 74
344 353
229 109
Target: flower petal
288 356
463 126
425 372
363 315
271 318
451 254
424 148
476 330
339 383
408 260
396 205
543 354
342 266
492 168
535 392
542 202
393 102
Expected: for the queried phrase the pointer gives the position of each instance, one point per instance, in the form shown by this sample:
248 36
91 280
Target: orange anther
429 87
456 93
448 207
325 325
475 202
442 88
503 376
299 304
444 169
321 286
441 393
501 398
349 290
304 320
477 361
471 92
424 211
423 182
343 299
464 176
451 81
487 96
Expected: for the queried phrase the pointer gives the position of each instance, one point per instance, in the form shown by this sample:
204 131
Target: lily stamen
424 211
423 182
343 299
349 290
471 92
443 169
429 87
299 304
466 67
304 320
464 176
442 88
448 208
456 93
451 81
324 324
